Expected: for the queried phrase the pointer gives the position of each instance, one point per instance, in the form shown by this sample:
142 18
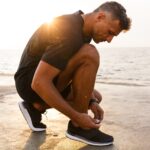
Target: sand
127 118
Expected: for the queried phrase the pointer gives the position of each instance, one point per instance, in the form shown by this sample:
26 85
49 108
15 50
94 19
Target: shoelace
45 114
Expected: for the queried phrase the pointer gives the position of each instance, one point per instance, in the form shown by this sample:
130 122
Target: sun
45 11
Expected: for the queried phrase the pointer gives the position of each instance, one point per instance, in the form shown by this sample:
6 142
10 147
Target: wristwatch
93 100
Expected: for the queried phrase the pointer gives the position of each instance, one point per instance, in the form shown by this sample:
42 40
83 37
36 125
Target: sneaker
91 136
32 116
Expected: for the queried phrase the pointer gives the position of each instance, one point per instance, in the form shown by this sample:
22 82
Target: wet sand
127 118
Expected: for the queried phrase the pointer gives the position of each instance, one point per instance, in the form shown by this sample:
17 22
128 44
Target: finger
96 115
97 121
94 124
101 114
100 111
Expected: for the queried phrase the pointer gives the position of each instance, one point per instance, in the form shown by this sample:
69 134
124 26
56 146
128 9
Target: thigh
87 53
23 86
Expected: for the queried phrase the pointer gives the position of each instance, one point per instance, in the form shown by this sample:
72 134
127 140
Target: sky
20 18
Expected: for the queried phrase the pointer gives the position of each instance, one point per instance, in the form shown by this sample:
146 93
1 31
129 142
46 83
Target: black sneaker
32 116
91 136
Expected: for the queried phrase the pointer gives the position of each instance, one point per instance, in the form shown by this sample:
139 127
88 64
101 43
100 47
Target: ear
101 16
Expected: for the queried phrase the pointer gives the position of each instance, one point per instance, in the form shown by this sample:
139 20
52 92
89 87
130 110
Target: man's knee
89 54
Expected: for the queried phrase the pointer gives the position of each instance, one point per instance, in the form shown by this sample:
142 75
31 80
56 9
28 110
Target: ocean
120 66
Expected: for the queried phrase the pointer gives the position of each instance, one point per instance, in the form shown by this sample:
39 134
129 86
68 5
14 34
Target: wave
112 82
122 83
6 74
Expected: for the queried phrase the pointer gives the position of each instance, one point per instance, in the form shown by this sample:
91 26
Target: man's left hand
97 110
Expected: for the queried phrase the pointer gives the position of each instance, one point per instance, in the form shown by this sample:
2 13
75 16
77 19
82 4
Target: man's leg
81 71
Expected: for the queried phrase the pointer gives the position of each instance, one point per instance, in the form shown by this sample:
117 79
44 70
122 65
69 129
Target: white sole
28 118
87 142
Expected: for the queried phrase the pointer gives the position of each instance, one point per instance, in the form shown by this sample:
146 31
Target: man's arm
96 98
42 84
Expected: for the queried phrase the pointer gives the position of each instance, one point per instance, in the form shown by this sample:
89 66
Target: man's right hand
85 121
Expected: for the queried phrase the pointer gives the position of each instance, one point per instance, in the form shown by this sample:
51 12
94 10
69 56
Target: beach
126 107
124 82
45 30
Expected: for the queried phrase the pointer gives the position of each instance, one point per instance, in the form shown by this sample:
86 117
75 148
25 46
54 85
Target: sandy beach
32 30
127 118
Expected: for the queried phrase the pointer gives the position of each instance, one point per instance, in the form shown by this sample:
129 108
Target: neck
87 27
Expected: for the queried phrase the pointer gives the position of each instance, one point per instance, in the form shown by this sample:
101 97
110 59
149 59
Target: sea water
121 66
125 66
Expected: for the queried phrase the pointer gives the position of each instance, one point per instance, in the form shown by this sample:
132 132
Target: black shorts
23 86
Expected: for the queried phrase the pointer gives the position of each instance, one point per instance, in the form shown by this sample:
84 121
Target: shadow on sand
87 147
35 140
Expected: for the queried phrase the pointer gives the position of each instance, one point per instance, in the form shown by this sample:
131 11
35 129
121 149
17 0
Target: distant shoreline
7 74
7 84
7 90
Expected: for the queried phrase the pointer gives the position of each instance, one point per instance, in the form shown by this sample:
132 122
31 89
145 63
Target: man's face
105 28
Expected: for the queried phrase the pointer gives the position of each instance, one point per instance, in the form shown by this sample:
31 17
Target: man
58 70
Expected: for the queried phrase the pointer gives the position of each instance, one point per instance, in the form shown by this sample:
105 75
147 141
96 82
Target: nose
109 39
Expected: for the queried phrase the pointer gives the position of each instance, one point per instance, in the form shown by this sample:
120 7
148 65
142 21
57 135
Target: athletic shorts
23 86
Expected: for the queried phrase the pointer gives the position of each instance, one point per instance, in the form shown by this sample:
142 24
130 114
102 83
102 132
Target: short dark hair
118 12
